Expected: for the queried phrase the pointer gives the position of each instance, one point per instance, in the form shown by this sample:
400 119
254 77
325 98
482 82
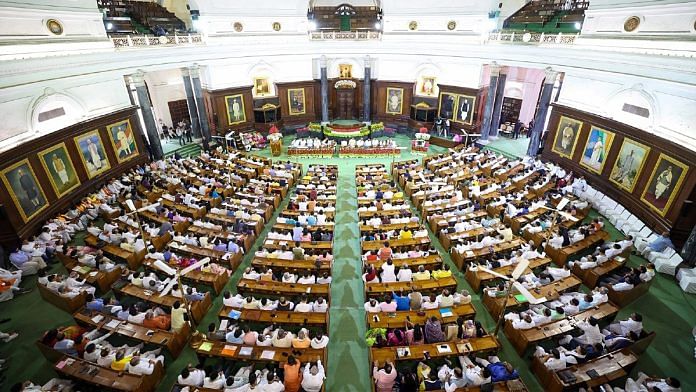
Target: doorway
345 104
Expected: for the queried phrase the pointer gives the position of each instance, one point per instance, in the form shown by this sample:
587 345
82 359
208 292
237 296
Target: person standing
180 135
188 131
516 130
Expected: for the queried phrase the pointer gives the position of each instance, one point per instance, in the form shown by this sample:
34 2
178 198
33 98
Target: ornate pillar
366 89
324 91
200 104
191 103
138 80
488 109
498 106
543 109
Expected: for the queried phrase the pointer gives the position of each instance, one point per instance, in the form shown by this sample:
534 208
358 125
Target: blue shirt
585 305
232 247
661 244
297 233
402 303
66 346
167 255
311 220
231 339
97 304
499 373
19 258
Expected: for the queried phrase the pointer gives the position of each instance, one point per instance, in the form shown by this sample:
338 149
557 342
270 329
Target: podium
276 147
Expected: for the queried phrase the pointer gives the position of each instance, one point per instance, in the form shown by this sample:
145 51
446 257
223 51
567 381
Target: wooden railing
143 41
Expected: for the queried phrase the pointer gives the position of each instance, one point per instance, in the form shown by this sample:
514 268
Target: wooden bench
278 244
446 239
284 265
179 227
277 355
160 242
109 379
485 344
174 342
379 290
561 255
462 259
68 304
477 278
291 290
395 243
216 281
199 253
102 280
591 276
625 298
198 309
550 291
398 319
429 262
133 259
522 338
282 317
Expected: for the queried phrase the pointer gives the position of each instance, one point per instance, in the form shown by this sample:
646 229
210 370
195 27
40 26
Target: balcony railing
359 35
532 38
143 41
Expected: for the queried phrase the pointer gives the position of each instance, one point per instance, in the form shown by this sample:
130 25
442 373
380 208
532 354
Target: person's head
556 354
673 382
665 234
176 305
186 373
291 360
637 317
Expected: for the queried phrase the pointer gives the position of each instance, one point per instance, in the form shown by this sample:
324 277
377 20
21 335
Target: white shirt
195 378
310 382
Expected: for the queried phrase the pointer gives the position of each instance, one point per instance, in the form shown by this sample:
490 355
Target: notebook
446 312
229 350
113 324
268 354
246 351
223 325
206 346
403 352
444 348
234 314
520 298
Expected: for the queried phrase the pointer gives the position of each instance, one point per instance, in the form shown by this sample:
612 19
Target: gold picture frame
262 87
237 116
87 153
345 71
394 107
35 200
427 87
591 154
454 105
129 151
471 103
296 101
623 172
66 176
563 145
658 186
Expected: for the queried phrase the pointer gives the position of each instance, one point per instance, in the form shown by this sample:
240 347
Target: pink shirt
388 307
384 382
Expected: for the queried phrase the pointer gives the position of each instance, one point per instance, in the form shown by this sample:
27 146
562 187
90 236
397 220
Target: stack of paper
229 350
446 312
206 346
246 351
268 354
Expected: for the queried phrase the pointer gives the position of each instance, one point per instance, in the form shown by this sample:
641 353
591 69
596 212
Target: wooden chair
67 304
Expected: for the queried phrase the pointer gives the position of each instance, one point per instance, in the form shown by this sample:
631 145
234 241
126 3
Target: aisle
347 370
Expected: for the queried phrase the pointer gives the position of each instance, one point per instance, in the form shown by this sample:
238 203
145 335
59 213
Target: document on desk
268 354
113 324
246 351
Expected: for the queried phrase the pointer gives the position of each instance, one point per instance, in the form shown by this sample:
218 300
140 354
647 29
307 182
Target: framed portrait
92 153
296 101
123 140
596 149
59 169
427 87
464 112
447 106
345 71
629 164
566 137
24 189
262 87
395 100
235 109
664 184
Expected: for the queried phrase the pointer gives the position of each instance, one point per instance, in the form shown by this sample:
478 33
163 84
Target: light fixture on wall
109 26
312 25
378 25
578 25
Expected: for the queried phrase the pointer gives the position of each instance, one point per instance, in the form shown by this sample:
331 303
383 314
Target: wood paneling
379 101
480 95
311 88
13 227
680 224
218 112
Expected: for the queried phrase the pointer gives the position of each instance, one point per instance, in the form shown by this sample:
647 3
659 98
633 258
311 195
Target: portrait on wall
596 149
395 100
123 140
427 87
24 189
296 101
235 109
566 137
59 168
447 106
629 164
262 87
664 184
345 71
465 109
92 153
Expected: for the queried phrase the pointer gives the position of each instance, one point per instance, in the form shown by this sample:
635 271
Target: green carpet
512 148
666 309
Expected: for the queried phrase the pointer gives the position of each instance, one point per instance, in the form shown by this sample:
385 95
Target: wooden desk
224 220
290 290
277 244
112 380
447 239
561 255
460 259
624 298
479 345
283 317
68 304
478 278
247 240
398 319
550 291
102 280
217 282
198 309
379 290
284 265
523 338
395 243
280 355
591 276
429 262
133 259
172 341
395 226
199 253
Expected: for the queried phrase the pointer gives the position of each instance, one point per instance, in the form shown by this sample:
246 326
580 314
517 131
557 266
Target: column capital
138 78
185 72
194 70
495 69
550 75
368 61
322 61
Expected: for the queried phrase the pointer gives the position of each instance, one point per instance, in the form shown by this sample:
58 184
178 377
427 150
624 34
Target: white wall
164 87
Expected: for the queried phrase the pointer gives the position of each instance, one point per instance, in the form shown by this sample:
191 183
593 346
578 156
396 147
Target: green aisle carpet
666 309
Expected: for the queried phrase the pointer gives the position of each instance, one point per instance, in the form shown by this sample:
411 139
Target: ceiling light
109 26
378 25
312 25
